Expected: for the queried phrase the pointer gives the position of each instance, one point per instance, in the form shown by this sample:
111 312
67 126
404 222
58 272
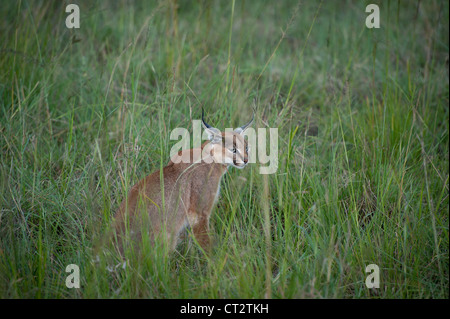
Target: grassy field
362 116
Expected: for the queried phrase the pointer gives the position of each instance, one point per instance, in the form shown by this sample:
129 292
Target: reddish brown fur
189 191
188 201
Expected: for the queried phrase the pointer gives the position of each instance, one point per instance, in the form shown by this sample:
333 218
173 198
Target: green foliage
363 145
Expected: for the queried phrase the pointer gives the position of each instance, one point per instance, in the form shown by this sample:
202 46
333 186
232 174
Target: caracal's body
191 183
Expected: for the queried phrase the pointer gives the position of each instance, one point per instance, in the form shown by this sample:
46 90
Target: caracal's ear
240 130
214 135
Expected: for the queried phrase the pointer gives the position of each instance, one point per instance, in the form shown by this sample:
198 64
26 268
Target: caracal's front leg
202 233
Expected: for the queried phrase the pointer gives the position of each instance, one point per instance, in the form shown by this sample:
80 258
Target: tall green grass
363 128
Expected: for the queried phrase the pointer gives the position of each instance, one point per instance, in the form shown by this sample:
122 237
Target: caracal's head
229 148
